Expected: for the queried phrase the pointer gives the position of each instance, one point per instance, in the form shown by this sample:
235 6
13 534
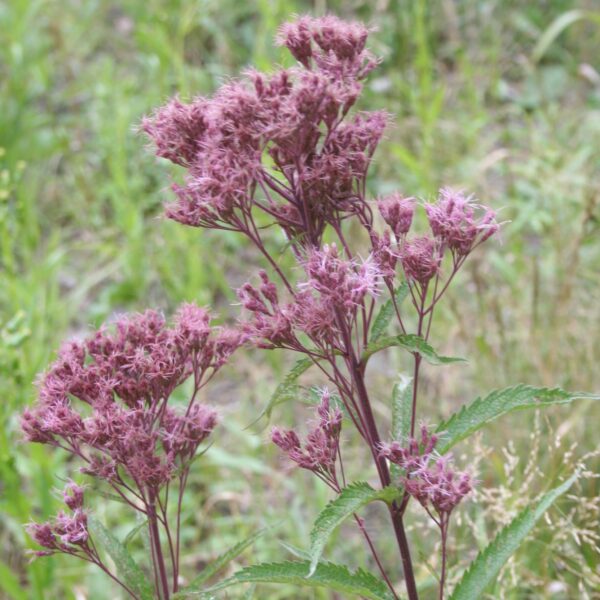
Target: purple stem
357 372
159 560
444 528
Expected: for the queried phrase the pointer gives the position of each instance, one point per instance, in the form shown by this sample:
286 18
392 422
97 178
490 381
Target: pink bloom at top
454 219
397 212
420 259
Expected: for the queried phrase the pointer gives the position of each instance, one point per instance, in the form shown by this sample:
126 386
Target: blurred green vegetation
501 97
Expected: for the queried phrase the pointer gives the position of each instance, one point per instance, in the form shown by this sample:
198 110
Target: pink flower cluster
123 379
318 156
66 533
430 480
320 451
343 283
457 224
334 288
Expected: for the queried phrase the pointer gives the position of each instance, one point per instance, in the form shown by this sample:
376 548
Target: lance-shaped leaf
350 500
472 417
401 416
328 575
386 312
485 568
412 343
288 389
130 572
214 567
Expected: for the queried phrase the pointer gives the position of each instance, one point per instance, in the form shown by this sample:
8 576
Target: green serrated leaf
484 569
131 573
412 343
401 416
351 499
328 575
288 389
221 562
386 312
500 402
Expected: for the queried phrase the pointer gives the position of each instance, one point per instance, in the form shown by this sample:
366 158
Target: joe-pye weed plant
289 151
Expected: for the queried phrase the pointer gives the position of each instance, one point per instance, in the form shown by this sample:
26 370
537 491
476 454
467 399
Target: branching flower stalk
107 401
288 147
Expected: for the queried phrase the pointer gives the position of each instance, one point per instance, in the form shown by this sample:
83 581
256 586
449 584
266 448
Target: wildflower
298 117
343 282
73 495
125 376
319 453
420 259
67 532
397 212
453 220
384 254
431 480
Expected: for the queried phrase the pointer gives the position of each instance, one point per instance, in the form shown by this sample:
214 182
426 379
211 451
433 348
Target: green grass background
500 97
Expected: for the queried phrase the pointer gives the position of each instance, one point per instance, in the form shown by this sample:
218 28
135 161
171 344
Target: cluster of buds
397 212
123 379
318 155
458 226
335 287
455 222
320 451
430 479
67 532
342 283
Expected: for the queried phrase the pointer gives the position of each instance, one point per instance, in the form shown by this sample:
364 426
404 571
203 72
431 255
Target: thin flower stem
444 530
182 484
396 307
418 359
357 372
95 560
165 523
361 525
163 591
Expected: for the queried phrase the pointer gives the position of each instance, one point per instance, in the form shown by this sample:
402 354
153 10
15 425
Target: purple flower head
454 220
397 212
271 325
428 478
314 316
67 532
184 433
125 375
287 440
42 534
385 254
178 130
72 529
329 44
439 485
73 495
343 282
297 37
318 154
192 327
319 452
420 259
